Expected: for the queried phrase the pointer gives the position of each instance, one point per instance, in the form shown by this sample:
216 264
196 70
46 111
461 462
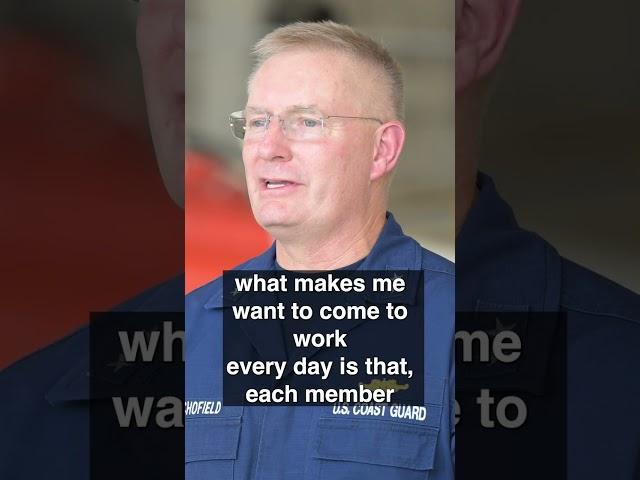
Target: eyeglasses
296 125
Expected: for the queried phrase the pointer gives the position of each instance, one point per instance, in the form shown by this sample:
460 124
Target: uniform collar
113 378
499 264
392 251
504 269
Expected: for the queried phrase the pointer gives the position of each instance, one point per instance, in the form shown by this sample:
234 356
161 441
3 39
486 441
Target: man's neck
336 250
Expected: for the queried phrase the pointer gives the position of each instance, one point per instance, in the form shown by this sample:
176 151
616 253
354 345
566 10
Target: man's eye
310 122
257 122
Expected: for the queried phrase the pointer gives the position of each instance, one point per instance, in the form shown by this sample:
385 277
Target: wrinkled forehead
328 81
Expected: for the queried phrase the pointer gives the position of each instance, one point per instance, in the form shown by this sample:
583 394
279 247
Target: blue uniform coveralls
44 425
45 397
299 443
502 267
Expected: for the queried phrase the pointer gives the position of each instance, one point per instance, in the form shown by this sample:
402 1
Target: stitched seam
578 309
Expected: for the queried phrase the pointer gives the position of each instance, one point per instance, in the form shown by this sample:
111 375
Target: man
504 269
322 133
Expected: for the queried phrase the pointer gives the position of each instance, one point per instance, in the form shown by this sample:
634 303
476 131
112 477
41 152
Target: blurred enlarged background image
86 220
418 33
561 133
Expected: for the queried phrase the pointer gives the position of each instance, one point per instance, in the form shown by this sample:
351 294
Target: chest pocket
392 446
211 445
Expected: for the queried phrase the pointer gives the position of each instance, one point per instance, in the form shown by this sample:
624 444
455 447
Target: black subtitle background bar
517 427
151 444
269 340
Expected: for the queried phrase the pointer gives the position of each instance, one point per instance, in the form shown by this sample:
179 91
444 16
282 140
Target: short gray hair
334 36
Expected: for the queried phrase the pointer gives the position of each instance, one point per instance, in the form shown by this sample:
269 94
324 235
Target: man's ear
389 142
482 30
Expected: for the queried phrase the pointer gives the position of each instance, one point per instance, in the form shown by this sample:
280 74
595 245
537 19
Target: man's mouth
277 184
271 184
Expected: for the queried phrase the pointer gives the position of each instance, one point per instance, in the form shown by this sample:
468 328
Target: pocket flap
212 438
377 442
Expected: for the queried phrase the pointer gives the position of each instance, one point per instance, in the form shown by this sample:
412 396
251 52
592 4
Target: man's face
160 36
311 187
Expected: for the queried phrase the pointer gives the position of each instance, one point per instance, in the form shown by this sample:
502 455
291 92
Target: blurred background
220 34
561 138
86 220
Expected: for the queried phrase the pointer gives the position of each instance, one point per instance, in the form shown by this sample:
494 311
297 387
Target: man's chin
277 225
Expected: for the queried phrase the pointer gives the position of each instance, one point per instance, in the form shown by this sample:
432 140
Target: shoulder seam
586 311
45 348
446 272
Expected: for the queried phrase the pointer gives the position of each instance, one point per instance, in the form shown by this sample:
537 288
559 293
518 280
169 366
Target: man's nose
274 145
